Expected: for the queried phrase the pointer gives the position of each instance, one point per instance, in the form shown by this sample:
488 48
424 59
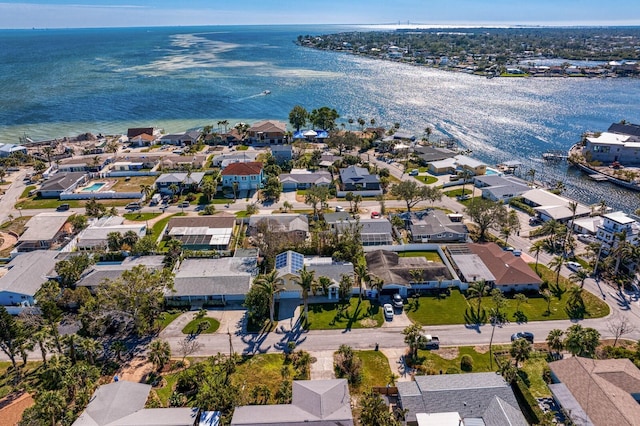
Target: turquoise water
93 188
59 83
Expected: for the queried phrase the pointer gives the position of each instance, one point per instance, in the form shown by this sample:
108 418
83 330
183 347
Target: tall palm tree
520 350
555 340
146 190
272 285
477 290
234 186
536 248
90 348
306 281
362 274
208 189
42 338
532 174
118 347
579 276
622 249
159 353
556 264
174 188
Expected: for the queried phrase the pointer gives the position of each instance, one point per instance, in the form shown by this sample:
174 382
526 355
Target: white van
155 200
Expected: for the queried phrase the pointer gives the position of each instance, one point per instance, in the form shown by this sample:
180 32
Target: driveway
322 368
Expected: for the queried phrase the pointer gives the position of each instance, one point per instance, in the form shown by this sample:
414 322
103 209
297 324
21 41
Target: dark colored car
397 301
62 207
522 335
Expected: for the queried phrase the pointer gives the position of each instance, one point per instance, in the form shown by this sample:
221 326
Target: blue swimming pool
94 187
491 171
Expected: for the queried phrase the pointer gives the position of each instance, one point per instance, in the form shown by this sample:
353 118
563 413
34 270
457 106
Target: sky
142 13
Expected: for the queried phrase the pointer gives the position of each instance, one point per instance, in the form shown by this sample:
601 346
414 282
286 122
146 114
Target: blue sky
125 13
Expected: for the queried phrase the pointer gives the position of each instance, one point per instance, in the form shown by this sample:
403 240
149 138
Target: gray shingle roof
28 271
204 277
61 181
356 175
98 273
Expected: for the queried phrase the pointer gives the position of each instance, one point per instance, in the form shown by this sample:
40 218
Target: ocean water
57 83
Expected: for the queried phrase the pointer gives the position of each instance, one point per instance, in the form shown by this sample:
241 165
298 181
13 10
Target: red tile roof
507 268
243 169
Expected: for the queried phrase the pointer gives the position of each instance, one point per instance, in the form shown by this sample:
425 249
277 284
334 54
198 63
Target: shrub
209 210
452 370
466 363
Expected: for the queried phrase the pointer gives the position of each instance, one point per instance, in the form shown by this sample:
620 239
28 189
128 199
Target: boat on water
266 92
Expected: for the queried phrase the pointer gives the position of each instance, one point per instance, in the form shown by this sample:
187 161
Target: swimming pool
491 171
95 187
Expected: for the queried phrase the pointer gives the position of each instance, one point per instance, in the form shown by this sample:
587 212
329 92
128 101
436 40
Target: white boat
266 92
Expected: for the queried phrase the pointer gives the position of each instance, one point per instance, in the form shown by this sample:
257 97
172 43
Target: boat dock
555 155
598 178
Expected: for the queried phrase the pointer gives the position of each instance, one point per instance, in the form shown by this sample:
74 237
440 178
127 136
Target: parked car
184 204
414 172
339 209
528 336
388 311
62 207
132 206
534 221
429 342
375 215
397 301
573 266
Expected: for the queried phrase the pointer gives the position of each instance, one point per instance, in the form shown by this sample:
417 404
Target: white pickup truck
430 342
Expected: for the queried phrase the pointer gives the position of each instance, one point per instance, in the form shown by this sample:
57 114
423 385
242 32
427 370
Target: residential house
143 139
181 162
183 181
599 392
123 403
509 272
61 182
587 225
500 188
551 206
459 163
327 160
248 176
459 399
83 164
304 179
223 160
621 143
97 274
429 154
43 231
289 263
313 402
441 167
435 226
373 232
202 232
127 166
132 132
616 224
6 149
294 227
24 275
181 139
358 180
212 281
282 153
397 276
96 235
270 132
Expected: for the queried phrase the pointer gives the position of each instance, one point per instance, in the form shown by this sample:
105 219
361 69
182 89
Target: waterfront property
620 143
551 206
459 163
181 139
267 132
500 188
616 224
6 149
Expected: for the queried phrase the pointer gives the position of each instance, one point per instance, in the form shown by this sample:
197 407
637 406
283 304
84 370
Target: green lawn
264 369
164 393
52 203
432 362
533 368
458 192
29 376
426 179
192 327
167 318
242 214
132 184
432 256
26 191
157 228
455 309
334 316
375 370
140 217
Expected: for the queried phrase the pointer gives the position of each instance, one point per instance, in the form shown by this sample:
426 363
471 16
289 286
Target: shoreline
593 171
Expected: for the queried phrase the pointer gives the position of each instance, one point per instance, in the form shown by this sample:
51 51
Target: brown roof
243 169
269 127
217 221
505 267
393 269
602 388
144 136
137 131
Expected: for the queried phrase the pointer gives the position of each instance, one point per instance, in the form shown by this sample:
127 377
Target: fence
100 195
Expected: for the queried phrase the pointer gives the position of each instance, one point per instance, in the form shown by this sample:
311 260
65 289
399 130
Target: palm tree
362 274
622 249
536 248
556 264
546 295
42 338
208 189
286 206
272 285
174 188
478 289
306 281
532 174
465 175
579 276
555 340
234 186
159 353
90 348
146 190
52 404
118 347
417 275
324 283
520 350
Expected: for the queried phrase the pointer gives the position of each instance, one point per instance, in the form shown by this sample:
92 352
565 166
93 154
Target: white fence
100 195
371 193
133 173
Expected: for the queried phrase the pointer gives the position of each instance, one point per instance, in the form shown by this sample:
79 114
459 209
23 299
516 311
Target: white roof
44 226
310 133
439 419
447 162
463 160
610 138
619 217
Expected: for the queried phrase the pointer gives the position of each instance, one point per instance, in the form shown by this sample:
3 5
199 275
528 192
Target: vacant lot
133 184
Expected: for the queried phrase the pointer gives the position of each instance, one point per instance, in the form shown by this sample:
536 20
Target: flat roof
472 267
619 217
44 226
